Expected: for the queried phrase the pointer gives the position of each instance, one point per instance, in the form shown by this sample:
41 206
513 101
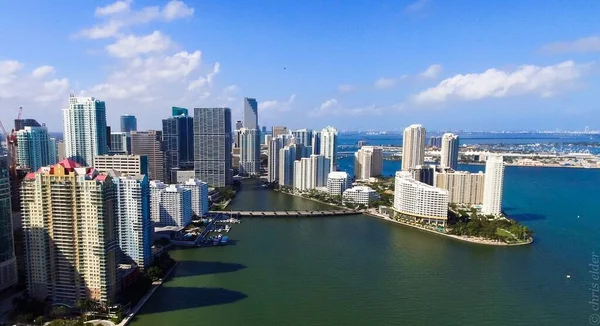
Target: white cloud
207 80
526 79
131 46
330 103
43 71
582 45
231 89
114 8
383 83
276 105
105 30
432 71
332 107
176 9
417 6
346 88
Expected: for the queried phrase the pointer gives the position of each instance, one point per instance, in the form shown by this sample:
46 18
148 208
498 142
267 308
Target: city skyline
141 60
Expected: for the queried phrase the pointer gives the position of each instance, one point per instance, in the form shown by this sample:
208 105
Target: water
360 270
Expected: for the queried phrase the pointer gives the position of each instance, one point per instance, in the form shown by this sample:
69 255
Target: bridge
319 213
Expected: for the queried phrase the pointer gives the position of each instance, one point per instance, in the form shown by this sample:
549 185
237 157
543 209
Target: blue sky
356 65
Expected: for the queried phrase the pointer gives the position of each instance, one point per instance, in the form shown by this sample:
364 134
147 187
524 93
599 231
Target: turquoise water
363 271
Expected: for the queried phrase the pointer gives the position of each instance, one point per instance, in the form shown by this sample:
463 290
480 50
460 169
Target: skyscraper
250 151
120 143
84 128
316 143
311 172
177 111
329 146
250 113
212 146
304 137
52 151
22 123
199 191
274 147
368 162
435 141
33 151
278 130
8 263
128 123
287 156
413 147
170 205
149 143
70 226
178 139
239 125
134 224
463 187
493 185
449 154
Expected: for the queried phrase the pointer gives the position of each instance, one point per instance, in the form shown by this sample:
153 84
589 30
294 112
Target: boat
224 240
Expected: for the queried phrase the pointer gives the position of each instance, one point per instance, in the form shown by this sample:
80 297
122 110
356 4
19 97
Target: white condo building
449 154
274 146
329 146
170 205
360 195
199 191
84 128
413 147
337 183
249 151
311 172
419 200
33 151
463 187
494 179
368 162
287 156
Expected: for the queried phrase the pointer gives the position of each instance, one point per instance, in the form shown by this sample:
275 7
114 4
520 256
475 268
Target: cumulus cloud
17 86
332 107
231 89
526 79
384 83
104 30
417 6
432 71
43 71
346 88
277 105
582 45
176 9
207 80
131 46
114 8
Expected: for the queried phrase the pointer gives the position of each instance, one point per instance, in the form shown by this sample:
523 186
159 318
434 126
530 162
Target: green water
358 270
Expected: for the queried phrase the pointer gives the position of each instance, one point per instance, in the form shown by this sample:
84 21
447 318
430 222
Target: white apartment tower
170 205
449 153
250 151
287 156
33 151
368 162
199 191
311 172
84 127
337 183
413 147
494 179
419 200
329 146
274 146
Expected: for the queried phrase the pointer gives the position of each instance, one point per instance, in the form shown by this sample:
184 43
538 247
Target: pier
319 213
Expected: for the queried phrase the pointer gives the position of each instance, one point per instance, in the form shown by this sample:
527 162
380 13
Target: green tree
59 311
154 273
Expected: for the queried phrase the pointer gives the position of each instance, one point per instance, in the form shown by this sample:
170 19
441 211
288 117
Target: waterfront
358 270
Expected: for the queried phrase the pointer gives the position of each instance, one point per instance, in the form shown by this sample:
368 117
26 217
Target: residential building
120 143
33 151
124 164
449 155
278 130
287 156
337 183
316 143
8 262
435 141
183 176
61 151
170 205
304 137
420 201
238 125
22 123
250 113
463 187
199 191
310 173
267 139
134 224
250 151
423 173
128 123
274 146
329 146
494 182
52 151
235 158
413 147
236 138
178 142
84 129
212 142
70 224
149 144
368 162
360 195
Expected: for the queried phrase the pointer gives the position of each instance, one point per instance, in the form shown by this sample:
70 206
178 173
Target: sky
355 65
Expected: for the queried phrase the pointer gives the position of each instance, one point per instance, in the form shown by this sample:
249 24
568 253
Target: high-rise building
149 144
278 130
316 143
337 183
250 113
237 140
84 128
303 137
274 146
263 129
128 123
123 164
493 185
368 162
199 191
52 151
267 139
22 123
8 263
70 223
423 173
310 172
212 143
239 125
329 146
61 151
33 151
134 224
250 152
177 111
449 154
413 147
435 141
178 140
108 138
463 187
170 205
420 201
287 156
120 143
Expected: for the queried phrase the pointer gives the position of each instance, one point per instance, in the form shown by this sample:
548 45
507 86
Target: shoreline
456 237
315 200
